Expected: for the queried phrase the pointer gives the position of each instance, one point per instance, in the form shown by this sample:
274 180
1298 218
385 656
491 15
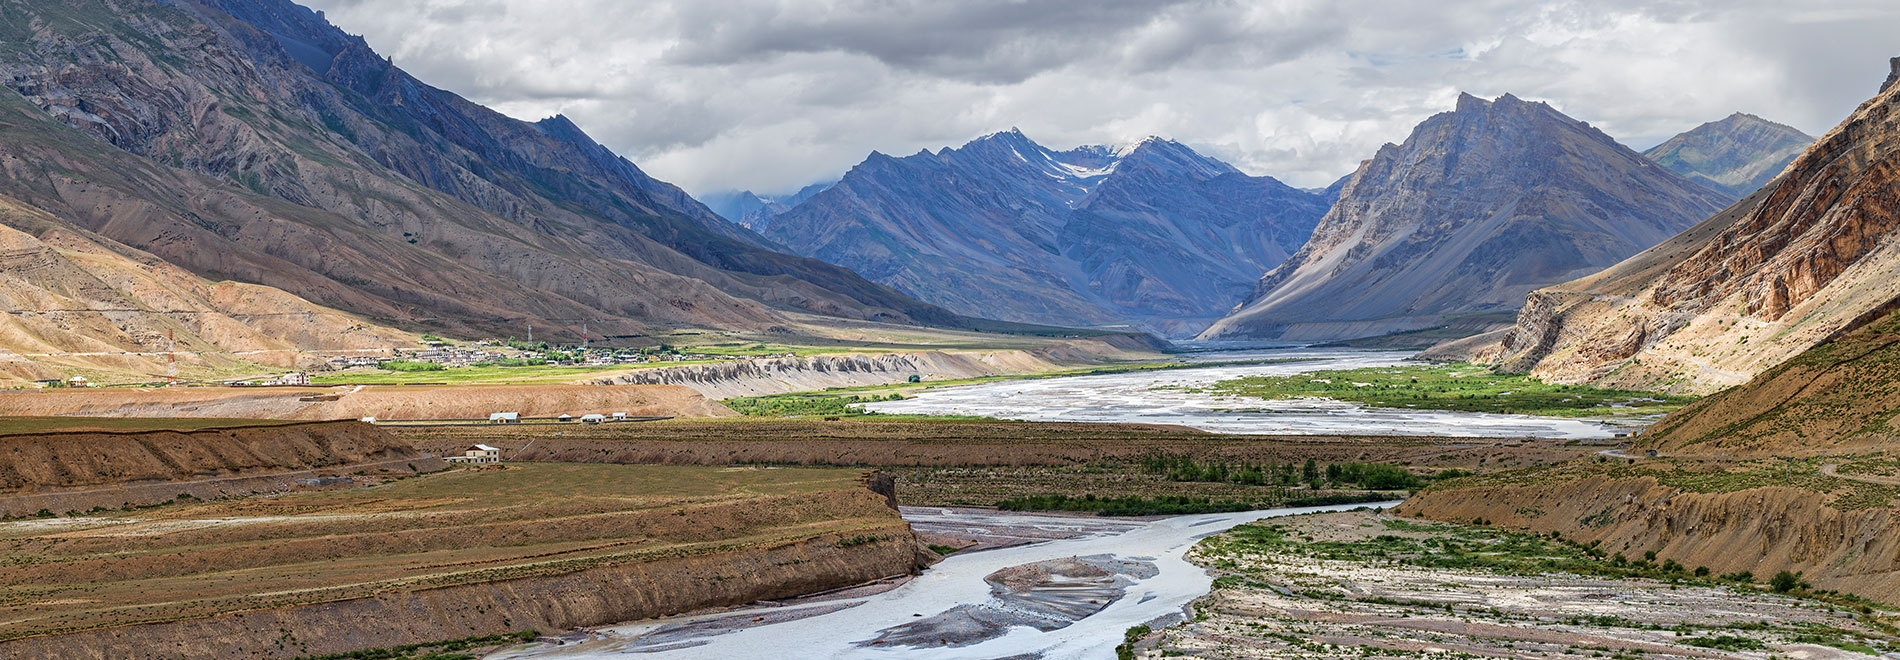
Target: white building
477 454
593 418
504 418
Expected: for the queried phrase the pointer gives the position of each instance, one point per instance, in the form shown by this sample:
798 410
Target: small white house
504 418
78 381
297 379
565 418
620 417
593 418
477 454
369 420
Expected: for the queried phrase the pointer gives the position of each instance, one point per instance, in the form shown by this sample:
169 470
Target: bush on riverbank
1174 505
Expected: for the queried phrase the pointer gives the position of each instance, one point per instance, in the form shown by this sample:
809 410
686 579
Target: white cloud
772 94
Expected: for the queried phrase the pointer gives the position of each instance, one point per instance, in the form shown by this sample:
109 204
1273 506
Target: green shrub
1785 581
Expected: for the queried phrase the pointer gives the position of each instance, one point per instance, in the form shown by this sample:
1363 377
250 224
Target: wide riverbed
1134 397
951 612
1071 597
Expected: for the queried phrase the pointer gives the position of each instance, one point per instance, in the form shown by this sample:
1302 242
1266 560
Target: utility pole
583 338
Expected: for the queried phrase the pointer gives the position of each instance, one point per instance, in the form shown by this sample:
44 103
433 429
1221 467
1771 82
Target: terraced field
470 526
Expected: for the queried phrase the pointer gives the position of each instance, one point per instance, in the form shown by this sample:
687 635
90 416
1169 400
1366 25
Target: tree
1310 471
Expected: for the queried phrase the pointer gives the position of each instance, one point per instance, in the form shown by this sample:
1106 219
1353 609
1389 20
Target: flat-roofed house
477 453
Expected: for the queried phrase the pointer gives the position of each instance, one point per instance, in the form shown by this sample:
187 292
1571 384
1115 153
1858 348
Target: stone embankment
799 374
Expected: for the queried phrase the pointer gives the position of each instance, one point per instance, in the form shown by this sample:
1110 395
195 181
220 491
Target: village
437 356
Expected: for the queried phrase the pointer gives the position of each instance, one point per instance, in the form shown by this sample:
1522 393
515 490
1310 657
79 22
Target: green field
1460 387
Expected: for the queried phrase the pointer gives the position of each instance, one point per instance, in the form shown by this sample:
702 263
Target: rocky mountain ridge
1479 206
1151 233
1809 256
251 141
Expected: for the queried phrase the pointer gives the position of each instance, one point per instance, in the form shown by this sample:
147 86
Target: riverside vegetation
1362 585
1459 387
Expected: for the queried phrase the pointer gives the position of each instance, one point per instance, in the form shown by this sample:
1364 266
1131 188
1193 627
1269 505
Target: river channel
1070 597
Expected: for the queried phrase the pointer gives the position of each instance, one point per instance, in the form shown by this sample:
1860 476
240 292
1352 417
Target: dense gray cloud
773 94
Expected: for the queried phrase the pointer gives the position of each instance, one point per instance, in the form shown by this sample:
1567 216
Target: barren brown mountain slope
251 141
1799 261
79 304
1839 398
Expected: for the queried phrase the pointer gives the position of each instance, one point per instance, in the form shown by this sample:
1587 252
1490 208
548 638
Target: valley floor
1364 585
979 462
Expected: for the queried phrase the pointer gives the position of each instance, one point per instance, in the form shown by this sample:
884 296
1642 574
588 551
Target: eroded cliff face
1761 530
1801 260
49 461
78 471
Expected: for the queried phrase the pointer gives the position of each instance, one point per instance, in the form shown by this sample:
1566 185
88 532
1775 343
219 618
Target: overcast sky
769 95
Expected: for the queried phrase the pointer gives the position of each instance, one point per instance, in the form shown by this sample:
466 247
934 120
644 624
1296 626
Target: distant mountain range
753 211
1811 256
1735 155
1150 233
1478 207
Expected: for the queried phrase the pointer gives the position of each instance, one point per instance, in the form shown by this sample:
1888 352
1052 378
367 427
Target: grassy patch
1459 387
